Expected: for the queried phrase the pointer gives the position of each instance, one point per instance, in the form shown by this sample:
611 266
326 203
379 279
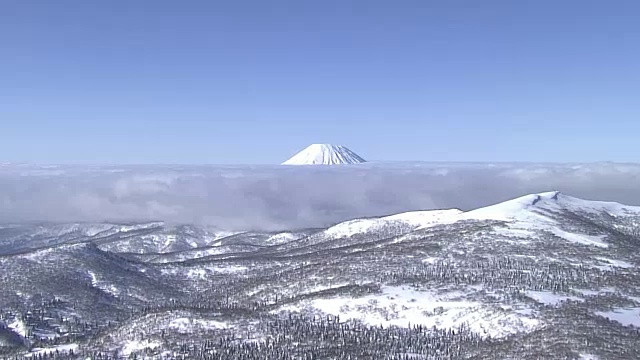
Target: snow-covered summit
325 154
550 201
539 211
516 207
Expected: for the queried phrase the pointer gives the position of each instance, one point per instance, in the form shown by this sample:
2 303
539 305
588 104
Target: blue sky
255 81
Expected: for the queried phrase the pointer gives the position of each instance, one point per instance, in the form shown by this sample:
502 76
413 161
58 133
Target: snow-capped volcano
325 154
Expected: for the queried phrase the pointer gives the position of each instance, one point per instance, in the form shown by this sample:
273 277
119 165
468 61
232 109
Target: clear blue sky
124 81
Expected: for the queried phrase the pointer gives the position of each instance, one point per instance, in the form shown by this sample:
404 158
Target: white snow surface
549 298
38 254
524 217
132 346
19 327
615 263
423 218
45 351
530 215
589 292
588 357
579 238
552 200
625 316
403 306
325 154
103 285
189 325
282 238
204 271
413 218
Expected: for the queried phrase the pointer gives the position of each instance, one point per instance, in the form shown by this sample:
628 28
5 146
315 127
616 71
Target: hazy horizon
273 197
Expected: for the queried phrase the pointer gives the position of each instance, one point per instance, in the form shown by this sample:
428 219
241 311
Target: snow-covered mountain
153 237
543 276
325 154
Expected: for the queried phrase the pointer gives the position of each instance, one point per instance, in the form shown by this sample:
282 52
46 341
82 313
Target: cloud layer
274 198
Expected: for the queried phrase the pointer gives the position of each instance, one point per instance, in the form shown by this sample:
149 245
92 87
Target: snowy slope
545 203
325 154
549 202
533 214
413 219
529 212
166 239
24 237
403 306
532 229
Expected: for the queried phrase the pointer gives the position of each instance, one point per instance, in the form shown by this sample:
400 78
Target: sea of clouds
284 197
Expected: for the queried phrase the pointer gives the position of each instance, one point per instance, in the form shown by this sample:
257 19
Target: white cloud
272 198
